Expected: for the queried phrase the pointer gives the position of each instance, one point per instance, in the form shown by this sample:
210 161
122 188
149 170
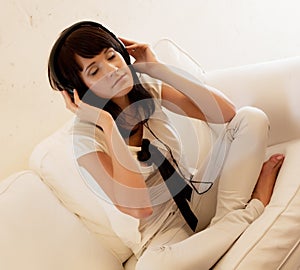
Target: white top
87 138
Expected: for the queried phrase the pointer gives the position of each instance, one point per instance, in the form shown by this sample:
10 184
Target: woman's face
107 74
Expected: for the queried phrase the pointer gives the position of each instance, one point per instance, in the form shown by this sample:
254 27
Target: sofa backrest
273 87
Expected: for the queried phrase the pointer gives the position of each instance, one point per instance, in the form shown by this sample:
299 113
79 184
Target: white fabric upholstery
271 86
37 232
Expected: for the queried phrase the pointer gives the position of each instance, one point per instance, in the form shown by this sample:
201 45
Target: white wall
218 33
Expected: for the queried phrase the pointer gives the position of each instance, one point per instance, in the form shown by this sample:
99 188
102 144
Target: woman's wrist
153 69
156 70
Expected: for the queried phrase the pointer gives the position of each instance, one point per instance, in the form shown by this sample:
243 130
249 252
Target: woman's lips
118 80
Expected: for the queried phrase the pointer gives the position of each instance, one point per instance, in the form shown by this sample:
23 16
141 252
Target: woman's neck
129 114
122 102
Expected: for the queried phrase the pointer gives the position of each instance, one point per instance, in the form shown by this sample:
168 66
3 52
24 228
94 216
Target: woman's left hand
142 53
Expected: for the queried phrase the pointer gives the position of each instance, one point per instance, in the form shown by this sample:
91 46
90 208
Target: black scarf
179 189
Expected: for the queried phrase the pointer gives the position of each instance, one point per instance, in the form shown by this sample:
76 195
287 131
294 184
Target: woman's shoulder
152 85
85 128
87 137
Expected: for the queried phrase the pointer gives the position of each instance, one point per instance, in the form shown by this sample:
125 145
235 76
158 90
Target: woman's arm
193 98
180 93
120 179
118 172
205 104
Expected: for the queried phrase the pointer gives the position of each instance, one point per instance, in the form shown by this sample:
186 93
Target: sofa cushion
176 57
55 162
37 232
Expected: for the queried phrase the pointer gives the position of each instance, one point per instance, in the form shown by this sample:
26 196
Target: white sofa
49 218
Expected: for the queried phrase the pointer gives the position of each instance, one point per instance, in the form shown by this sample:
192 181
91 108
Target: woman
129 155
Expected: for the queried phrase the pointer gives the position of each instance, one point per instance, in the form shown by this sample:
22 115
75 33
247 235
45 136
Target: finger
132 50
66 96
126 41
77 100
132 47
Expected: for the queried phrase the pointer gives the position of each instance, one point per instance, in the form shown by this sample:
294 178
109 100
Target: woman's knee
254 118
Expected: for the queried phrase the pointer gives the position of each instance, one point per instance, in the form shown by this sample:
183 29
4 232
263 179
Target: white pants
224 212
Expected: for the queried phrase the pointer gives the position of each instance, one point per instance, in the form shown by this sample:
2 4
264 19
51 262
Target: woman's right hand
87 112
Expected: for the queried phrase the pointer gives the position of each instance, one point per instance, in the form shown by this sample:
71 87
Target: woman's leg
203 249
176 249
246 135
245 140
234 165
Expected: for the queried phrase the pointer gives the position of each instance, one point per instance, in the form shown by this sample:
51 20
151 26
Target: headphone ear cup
70 91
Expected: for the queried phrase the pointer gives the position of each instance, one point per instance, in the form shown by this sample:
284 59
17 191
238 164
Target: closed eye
111 57
111 54
93 71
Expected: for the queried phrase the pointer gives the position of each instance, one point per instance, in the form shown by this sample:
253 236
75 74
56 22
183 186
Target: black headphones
62 83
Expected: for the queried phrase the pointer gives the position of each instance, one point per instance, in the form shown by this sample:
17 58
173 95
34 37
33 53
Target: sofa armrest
37 232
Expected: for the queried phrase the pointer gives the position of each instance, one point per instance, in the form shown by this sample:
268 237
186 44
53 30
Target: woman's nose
111 69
